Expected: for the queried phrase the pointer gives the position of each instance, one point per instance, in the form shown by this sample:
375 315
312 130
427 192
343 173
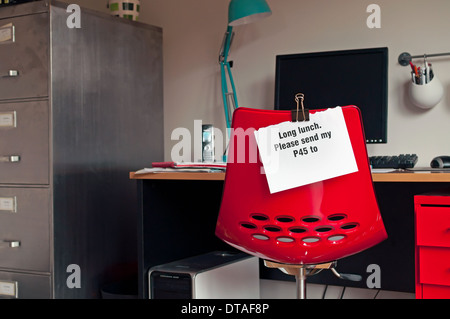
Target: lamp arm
229 97
225 93
233 88
226 44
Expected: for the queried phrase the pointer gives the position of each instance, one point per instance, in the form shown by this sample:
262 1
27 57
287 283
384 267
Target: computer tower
215 275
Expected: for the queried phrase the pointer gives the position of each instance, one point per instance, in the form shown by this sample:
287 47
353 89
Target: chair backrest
310 224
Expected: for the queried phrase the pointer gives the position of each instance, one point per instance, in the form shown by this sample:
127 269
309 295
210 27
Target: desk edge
376 177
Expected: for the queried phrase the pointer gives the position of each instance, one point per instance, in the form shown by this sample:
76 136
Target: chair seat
310 224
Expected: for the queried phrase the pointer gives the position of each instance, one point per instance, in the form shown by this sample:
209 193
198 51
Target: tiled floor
273 289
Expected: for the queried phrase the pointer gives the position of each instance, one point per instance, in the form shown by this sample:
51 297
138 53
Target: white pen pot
426 95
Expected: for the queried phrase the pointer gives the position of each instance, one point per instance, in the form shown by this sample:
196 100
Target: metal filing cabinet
79 109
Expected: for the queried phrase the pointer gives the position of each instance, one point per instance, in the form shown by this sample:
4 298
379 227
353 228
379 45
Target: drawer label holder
7 33
8 288
8 204
8 119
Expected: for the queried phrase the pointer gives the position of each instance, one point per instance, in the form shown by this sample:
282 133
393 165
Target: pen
412 66
431 71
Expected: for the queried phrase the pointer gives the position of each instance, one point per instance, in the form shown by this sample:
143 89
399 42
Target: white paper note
300 153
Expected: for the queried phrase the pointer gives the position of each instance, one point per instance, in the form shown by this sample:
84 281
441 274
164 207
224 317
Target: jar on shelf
128 9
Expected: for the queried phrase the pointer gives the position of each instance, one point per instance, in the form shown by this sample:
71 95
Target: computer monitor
338 78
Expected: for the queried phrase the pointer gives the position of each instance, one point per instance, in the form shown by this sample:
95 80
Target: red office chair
302 230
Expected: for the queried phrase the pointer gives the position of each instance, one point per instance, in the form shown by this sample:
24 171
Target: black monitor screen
337 78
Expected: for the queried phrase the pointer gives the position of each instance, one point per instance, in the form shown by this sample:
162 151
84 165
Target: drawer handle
10 159
11 74
9 244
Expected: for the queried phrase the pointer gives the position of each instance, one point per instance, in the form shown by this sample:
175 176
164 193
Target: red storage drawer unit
432 220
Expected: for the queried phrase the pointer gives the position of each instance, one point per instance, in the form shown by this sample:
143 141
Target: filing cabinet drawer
24 56
25 229
24 143
434 265
24 286
433 226
435 292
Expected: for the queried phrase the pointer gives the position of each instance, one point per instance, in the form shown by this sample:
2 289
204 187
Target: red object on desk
311 224
218 165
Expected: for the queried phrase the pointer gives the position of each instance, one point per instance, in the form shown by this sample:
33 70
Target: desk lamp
239 12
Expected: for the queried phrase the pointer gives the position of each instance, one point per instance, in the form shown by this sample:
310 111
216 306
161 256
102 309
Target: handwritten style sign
294 154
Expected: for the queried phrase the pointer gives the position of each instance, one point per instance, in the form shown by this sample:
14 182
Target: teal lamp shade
247 11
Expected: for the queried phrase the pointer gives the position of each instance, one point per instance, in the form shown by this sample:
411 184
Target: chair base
301 272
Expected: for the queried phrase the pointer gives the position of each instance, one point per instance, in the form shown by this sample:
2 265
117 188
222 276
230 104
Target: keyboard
395 161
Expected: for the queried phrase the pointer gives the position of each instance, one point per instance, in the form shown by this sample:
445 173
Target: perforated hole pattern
308 230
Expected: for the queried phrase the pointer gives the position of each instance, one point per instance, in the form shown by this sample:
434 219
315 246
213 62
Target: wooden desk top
413 176
395 176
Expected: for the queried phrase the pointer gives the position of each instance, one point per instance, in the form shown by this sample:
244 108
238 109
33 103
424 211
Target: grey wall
193 32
